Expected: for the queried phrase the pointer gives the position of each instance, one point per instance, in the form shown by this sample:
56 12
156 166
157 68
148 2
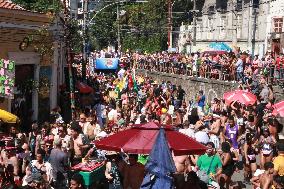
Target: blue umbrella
159 165
220 46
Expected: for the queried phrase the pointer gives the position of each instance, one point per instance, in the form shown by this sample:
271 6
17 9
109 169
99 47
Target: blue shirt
201 102
239 65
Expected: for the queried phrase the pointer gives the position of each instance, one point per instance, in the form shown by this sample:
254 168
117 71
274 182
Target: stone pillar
54 83
35 93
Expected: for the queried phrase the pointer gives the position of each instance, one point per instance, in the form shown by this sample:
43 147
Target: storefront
37 76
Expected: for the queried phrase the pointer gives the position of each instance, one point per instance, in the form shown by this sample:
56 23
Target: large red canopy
140 139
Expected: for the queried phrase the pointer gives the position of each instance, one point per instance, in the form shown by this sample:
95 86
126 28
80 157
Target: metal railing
220 72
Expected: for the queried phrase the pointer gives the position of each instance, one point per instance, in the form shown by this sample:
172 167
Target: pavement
239 176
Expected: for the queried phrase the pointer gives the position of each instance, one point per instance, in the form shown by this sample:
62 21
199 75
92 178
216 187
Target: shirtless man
265 179
215 131
133 173
11 159
80 142
183 166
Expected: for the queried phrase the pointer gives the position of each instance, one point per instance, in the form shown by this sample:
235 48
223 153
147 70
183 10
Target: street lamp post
84 63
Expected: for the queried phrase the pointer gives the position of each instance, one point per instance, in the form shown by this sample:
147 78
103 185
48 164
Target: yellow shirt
279 164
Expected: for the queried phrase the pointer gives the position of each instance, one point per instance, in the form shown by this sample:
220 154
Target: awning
8 117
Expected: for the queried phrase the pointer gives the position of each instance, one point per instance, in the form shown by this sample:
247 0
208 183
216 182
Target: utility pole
69 62
234 24
169 24
194 22
253 30
249 25
118 28
84 63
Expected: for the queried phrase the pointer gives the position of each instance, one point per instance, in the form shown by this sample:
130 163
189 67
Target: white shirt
202 137
120 74
189 132
112 115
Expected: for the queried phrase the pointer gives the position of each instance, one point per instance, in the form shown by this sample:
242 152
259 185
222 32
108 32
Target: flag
135 87
130 82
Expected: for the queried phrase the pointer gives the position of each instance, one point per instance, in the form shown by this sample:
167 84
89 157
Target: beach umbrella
160 165
8 117
278 109
240 96
141 138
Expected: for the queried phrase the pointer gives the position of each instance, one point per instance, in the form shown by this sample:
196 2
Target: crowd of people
238 137
223 66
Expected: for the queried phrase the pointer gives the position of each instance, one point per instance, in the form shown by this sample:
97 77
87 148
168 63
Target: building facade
275 28
239 23
37 75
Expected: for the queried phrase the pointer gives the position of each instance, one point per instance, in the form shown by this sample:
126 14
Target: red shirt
279 63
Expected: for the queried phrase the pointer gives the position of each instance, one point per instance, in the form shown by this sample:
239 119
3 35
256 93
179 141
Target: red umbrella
278 109
240 96
140 139
84 88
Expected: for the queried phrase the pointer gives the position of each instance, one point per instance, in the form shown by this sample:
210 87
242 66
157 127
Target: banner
107 63
7 78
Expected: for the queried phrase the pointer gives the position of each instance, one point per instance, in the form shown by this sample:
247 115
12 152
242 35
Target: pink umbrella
278 109
240 96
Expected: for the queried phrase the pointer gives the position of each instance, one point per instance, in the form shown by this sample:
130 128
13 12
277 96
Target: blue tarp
220 46
107 63
159 165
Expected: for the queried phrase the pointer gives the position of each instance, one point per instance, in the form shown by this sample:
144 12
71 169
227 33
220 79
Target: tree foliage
144 25
40 5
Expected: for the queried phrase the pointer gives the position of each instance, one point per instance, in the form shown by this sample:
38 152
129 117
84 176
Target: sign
7 78
107 63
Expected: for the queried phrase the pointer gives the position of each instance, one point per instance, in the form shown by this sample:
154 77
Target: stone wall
191 85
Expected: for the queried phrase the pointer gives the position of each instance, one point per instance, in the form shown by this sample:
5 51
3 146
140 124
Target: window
239 26
278 25
239 5
210 28
222 27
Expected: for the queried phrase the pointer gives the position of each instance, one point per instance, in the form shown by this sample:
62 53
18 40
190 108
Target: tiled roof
7 4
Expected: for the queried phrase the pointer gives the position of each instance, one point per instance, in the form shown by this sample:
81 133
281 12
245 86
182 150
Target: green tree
40 5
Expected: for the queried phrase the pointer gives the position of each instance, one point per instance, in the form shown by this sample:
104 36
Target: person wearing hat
279 160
